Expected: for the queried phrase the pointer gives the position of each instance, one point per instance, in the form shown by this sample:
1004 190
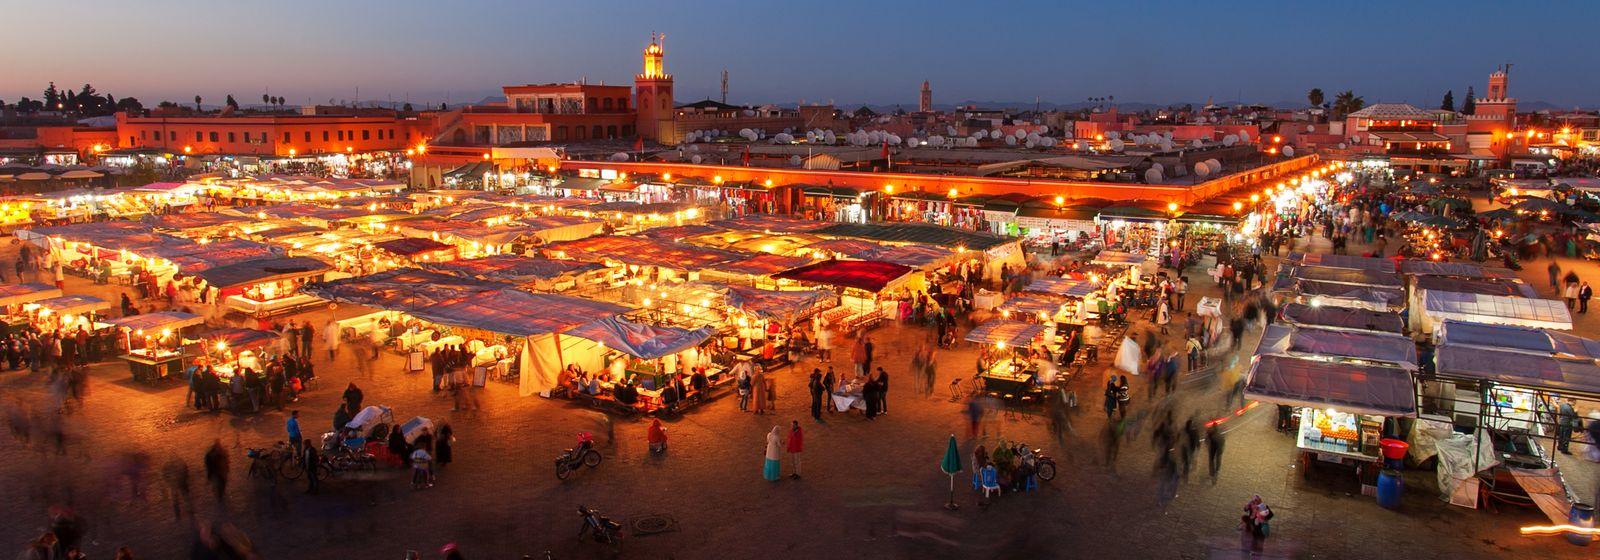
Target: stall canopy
1343 261
1442 268
410 246
914 256
871 276
783 306
518 313
1383 391
550 229
512 268
762 264
14 294
853 248
1348 295
1061 286
1318 343
1351 276
1475 286
156 321
264 270
1576 377
401 289
927 234
640 340
769 223
240 338
1033 304
1016 334
679 233
179 222
1343 317
1500 310
1522 339
643 252
1113 258
73 305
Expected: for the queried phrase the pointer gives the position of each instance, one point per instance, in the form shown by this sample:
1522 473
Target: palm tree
1347 102
197 103
1315 97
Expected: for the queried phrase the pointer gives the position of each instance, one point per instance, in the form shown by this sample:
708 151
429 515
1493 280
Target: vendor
626 393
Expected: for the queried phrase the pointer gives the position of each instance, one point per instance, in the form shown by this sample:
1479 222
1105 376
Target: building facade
271 135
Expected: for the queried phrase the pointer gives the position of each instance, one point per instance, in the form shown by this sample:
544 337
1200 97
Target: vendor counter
150 367
1009 377
276 306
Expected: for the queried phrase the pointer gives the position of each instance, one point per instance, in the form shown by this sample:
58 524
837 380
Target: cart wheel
1047 470
562 471
325 472
291 469
380 432
591 459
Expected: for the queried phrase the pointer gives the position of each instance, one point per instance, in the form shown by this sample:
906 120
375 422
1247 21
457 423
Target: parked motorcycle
1043 466
582 455
601 527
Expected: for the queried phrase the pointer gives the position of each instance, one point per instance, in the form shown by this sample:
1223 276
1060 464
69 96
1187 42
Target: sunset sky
849 52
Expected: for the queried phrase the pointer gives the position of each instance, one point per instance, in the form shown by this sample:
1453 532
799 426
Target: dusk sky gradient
848 52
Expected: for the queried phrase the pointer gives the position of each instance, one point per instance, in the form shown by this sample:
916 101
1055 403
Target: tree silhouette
231 103
52 97
197 103
1470 106
1315 96
1449 103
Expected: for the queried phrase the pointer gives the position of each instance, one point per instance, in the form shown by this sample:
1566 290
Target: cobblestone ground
871 488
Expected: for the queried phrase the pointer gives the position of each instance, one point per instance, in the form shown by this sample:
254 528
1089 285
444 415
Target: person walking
1555 273
1584 293
796 445
829 381
1123 398
817 390
311 462
743 384
1183 290
1111 397
858 355
770 466
824 341
305 338
216 461
1163 316
444 445
1214 443
330 338
1571 295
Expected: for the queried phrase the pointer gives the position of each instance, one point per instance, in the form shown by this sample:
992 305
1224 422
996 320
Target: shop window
606 102
597 133
366 135
580 132
213 136
308 136
230 138
172 135
324 136
561 134
611 131
199 136
622 103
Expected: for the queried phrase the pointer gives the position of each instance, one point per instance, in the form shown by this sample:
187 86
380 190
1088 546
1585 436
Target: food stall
13 296
411 250
67 312
266 287
867 288
155 342
1343 318
1341 406
1005 363
650 356
231 350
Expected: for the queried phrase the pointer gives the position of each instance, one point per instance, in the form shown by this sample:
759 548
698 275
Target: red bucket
1393 448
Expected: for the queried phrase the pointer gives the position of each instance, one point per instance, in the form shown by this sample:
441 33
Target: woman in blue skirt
769 469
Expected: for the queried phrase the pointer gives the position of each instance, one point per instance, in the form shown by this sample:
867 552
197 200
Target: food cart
1341 407
1005 364
154 342
231 350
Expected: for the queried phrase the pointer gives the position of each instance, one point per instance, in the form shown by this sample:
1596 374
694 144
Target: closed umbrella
951 465
1480 246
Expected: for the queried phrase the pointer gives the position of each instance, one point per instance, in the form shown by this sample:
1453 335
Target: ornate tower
1497 104
652 90
925 103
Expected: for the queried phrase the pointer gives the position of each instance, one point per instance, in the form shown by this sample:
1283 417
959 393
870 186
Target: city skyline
877 54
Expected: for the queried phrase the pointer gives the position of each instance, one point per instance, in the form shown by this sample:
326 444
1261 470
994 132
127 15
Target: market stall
13 296
1343 318
868 289
1438 306
1341 407
1005 364
650 357
154 342
537 273
266 287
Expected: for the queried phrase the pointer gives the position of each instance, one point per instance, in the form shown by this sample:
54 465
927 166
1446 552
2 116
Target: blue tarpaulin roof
1012 333
1062 287
1523 339
640 340
1033 304
159 320
68 305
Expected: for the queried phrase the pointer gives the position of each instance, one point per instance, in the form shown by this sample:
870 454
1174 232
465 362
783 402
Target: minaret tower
925 103
652 90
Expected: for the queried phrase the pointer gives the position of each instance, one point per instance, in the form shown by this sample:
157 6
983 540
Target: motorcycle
603 528
1043 466
582 455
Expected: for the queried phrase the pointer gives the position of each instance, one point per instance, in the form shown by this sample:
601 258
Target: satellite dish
794 160
1011 140
1288 151
1152 175
1117 146
695 159
619 156
1230 140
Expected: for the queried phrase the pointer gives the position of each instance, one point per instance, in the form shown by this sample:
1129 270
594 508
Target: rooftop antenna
724 85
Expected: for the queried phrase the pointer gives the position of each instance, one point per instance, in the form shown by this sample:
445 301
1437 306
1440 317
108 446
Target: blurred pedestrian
311 463
817 392
1214 450
216 461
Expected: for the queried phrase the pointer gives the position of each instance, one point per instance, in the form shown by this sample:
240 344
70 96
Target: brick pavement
871 488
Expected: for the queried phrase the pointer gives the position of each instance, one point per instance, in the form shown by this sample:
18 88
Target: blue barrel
1389 488
1582 515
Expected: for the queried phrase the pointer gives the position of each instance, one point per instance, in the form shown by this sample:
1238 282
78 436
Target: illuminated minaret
925 103
652 90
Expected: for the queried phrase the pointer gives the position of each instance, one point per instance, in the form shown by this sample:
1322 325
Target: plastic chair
990 481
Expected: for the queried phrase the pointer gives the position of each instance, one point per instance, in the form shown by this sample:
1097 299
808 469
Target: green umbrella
951 465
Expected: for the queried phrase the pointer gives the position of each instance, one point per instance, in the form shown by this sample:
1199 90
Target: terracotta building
272 134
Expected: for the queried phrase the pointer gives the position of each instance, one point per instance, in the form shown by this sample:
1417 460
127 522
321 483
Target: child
421 469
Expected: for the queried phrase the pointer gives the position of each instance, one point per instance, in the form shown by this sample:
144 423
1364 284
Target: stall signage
1051 223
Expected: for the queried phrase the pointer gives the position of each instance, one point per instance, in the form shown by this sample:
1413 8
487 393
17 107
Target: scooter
603 528
582 455
1043 466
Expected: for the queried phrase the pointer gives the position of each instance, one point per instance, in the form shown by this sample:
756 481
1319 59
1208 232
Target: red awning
872 276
